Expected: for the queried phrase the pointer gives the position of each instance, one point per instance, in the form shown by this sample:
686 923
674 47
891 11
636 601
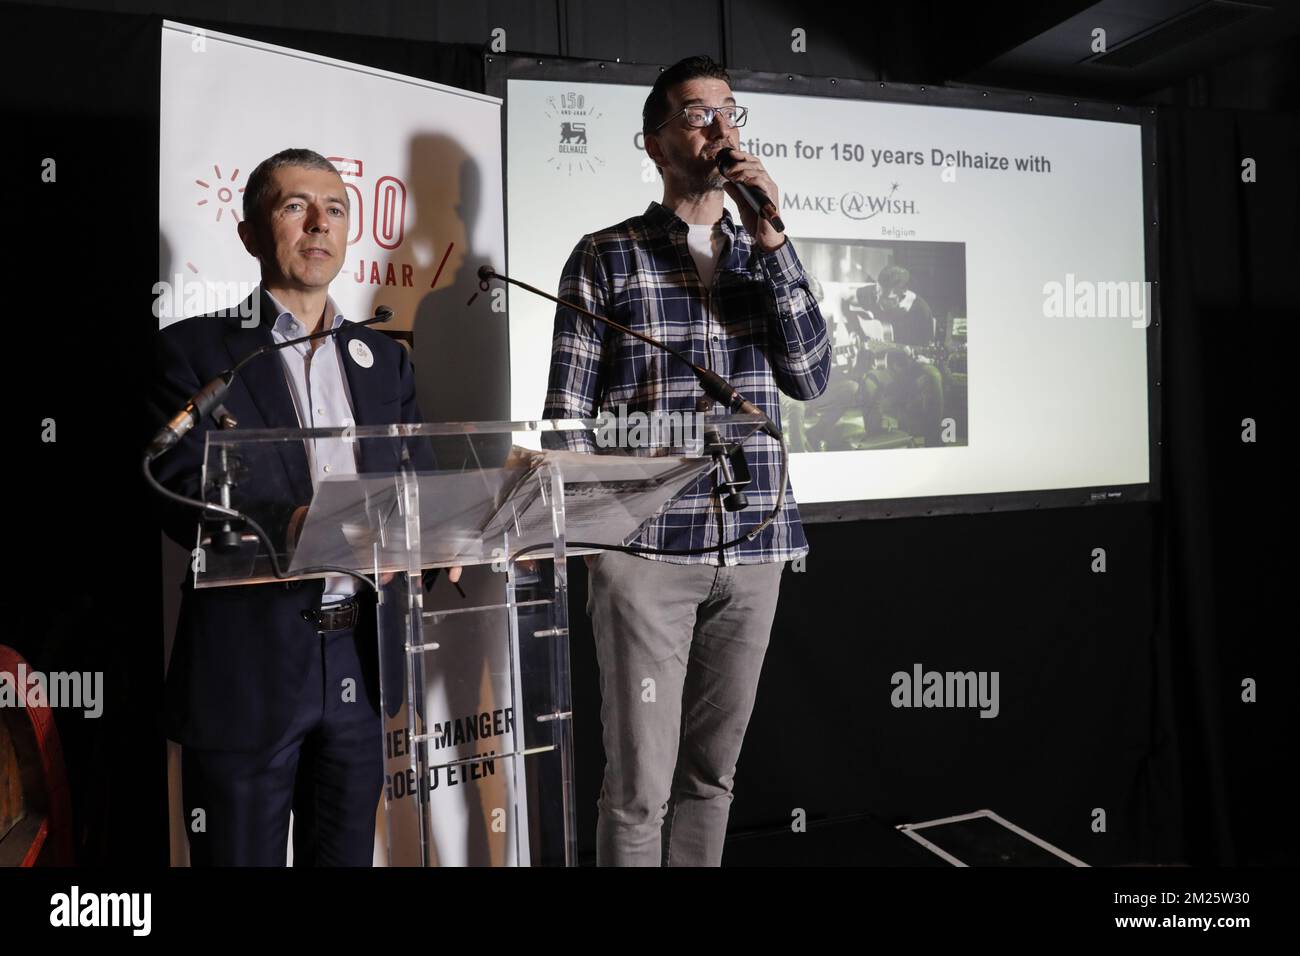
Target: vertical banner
414 157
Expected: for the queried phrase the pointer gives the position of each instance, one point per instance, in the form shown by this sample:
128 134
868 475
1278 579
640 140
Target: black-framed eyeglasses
701 116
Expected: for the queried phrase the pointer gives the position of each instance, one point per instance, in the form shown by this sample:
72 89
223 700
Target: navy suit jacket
241 651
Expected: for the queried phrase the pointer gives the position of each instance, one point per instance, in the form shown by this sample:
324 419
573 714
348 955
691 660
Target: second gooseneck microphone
713 384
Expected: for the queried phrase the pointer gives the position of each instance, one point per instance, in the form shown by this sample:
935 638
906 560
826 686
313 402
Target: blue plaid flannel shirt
758 326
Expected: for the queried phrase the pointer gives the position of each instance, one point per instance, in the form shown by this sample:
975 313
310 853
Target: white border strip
326 61
943 820
1033 839
909 829
938 851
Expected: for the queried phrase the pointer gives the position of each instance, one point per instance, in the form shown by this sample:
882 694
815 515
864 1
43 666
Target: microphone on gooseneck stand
733 471
756 198
713 384
208 399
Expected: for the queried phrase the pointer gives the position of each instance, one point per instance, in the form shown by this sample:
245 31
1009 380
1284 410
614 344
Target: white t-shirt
705 243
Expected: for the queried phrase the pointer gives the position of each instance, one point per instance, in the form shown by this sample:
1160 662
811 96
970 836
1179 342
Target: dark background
1120 691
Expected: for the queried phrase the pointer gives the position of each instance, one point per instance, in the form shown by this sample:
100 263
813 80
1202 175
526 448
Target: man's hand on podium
453 575
293 531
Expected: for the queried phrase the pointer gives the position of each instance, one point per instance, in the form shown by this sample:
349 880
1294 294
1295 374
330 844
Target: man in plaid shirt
680 638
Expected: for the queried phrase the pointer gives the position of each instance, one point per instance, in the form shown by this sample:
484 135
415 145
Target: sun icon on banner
225 194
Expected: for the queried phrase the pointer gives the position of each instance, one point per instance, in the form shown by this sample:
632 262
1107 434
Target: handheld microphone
756 198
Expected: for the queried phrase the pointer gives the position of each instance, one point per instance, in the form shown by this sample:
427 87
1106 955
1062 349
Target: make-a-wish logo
572 116
852 204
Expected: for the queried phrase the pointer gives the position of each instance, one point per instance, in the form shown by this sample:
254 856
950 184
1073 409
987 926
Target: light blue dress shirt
321 398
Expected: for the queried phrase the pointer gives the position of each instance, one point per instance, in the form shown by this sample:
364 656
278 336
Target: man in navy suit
273 689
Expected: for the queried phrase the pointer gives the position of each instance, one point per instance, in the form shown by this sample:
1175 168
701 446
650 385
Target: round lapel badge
361 353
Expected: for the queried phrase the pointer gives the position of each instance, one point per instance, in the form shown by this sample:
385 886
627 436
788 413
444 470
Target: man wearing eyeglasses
680 638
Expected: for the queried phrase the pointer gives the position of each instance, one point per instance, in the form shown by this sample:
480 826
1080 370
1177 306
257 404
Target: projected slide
981 272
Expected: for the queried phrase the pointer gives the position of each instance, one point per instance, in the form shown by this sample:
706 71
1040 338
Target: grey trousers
680 649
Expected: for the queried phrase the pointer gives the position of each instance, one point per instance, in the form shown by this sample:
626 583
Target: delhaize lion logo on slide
572 115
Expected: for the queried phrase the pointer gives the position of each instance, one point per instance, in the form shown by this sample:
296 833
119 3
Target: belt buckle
340 616
348 613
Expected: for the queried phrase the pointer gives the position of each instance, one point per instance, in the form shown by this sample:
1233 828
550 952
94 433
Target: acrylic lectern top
398 497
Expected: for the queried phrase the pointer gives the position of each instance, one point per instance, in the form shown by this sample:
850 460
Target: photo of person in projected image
843 391
898 370
908 375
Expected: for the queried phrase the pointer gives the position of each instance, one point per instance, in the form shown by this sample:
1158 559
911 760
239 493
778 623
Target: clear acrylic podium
474 690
